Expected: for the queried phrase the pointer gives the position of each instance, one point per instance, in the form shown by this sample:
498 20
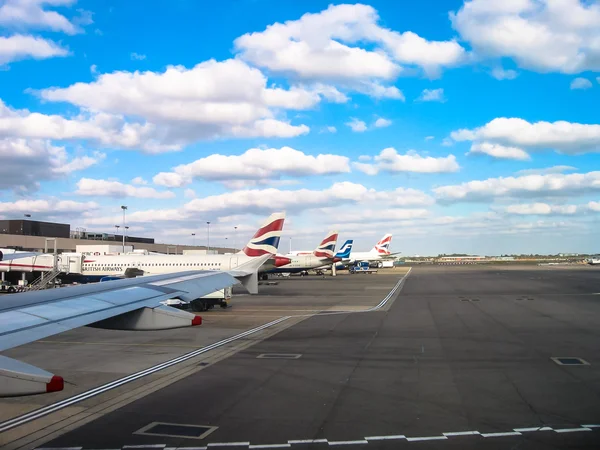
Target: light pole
125 238
234 239
207 236
116 234
193 239
123 207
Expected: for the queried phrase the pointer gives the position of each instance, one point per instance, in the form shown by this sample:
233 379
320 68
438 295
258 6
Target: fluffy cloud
24 163
329 129
501 74
358 126
46 207
382 123
31 14
432 95
429 138
18 46
106 188
180 105
550 185
265 201
389 160
139 181
137 56
581 83
546 170
541 35
566 137
541 209
499 151
320 46
254 164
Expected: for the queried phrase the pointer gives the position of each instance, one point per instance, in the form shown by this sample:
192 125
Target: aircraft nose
281 261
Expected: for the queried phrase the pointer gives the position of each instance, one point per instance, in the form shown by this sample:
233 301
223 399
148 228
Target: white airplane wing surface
131 304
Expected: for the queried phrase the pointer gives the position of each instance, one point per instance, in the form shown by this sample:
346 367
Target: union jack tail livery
266 239
383 246
327 246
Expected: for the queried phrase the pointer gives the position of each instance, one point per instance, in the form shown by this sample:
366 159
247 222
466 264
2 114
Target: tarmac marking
447 436
116 343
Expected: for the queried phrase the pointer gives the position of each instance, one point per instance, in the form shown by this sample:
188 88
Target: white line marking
191 448
145 446
385 438
571 430
526 430
271 446
362 441
308 441
461 433
507 433
227 444
41 412
58 448
426 438
591 426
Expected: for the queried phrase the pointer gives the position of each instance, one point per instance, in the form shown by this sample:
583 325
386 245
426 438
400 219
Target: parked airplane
379 252
93 268
322 255
342 254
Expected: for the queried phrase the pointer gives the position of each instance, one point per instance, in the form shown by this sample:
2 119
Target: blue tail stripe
273 241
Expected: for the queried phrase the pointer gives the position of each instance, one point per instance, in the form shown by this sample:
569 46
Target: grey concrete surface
460 349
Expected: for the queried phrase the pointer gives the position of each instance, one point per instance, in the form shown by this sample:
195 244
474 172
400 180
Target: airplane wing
130 304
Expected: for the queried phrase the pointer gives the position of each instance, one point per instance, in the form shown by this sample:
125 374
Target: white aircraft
303 260
379 252
94 268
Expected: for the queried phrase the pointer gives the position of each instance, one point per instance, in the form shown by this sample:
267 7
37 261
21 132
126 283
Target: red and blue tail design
327 247
383 246
266 239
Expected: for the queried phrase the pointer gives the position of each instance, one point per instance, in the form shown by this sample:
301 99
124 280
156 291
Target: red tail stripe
255 252
276 225
328 239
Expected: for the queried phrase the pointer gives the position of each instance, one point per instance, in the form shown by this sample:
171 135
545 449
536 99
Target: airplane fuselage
299 263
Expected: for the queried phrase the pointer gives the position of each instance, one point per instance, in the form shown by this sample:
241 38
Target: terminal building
33 235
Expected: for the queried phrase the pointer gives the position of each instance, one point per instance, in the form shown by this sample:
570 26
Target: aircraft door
233 262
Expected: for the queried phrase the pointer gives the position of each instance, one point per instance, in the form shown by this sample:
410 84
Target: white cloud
329 129
31 14
381 123
19 46
550 185
502 74
139 181
51 206
254 164
137 56
429 138
180 105
189 193
566 137
581 83
541 35
432 95
499 151
106 188
93 69
541 209
365 158
389 160
546 170
358 126
25 163
323 46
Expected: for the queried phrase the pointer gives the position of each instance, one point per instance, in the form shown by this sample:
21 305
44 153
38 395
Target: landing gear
264 276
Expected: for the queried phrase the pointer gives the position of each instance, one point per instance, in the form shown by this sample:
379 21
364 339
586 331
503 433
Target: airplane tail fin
266 239
383 246
344 251
327 246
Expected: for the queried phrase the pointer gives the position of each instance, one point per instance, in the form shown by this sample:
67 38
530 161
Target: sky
458 126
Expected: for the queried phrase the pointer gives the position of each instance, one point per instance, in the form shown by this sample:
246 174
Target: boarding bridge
63 263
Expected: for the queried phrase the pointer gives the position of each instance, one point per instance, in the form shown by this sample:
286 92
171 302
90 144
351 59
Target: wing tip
55 384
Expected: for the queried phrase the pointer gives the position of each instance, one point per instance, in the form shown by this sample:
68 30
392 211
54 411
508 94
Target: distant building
25 227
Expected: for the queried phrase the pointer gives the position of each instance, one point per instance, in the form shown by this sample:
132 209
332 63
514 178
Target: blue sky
458 126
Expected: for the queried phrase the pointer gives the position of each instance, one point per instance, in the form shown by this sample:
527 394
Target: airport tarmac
458 357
